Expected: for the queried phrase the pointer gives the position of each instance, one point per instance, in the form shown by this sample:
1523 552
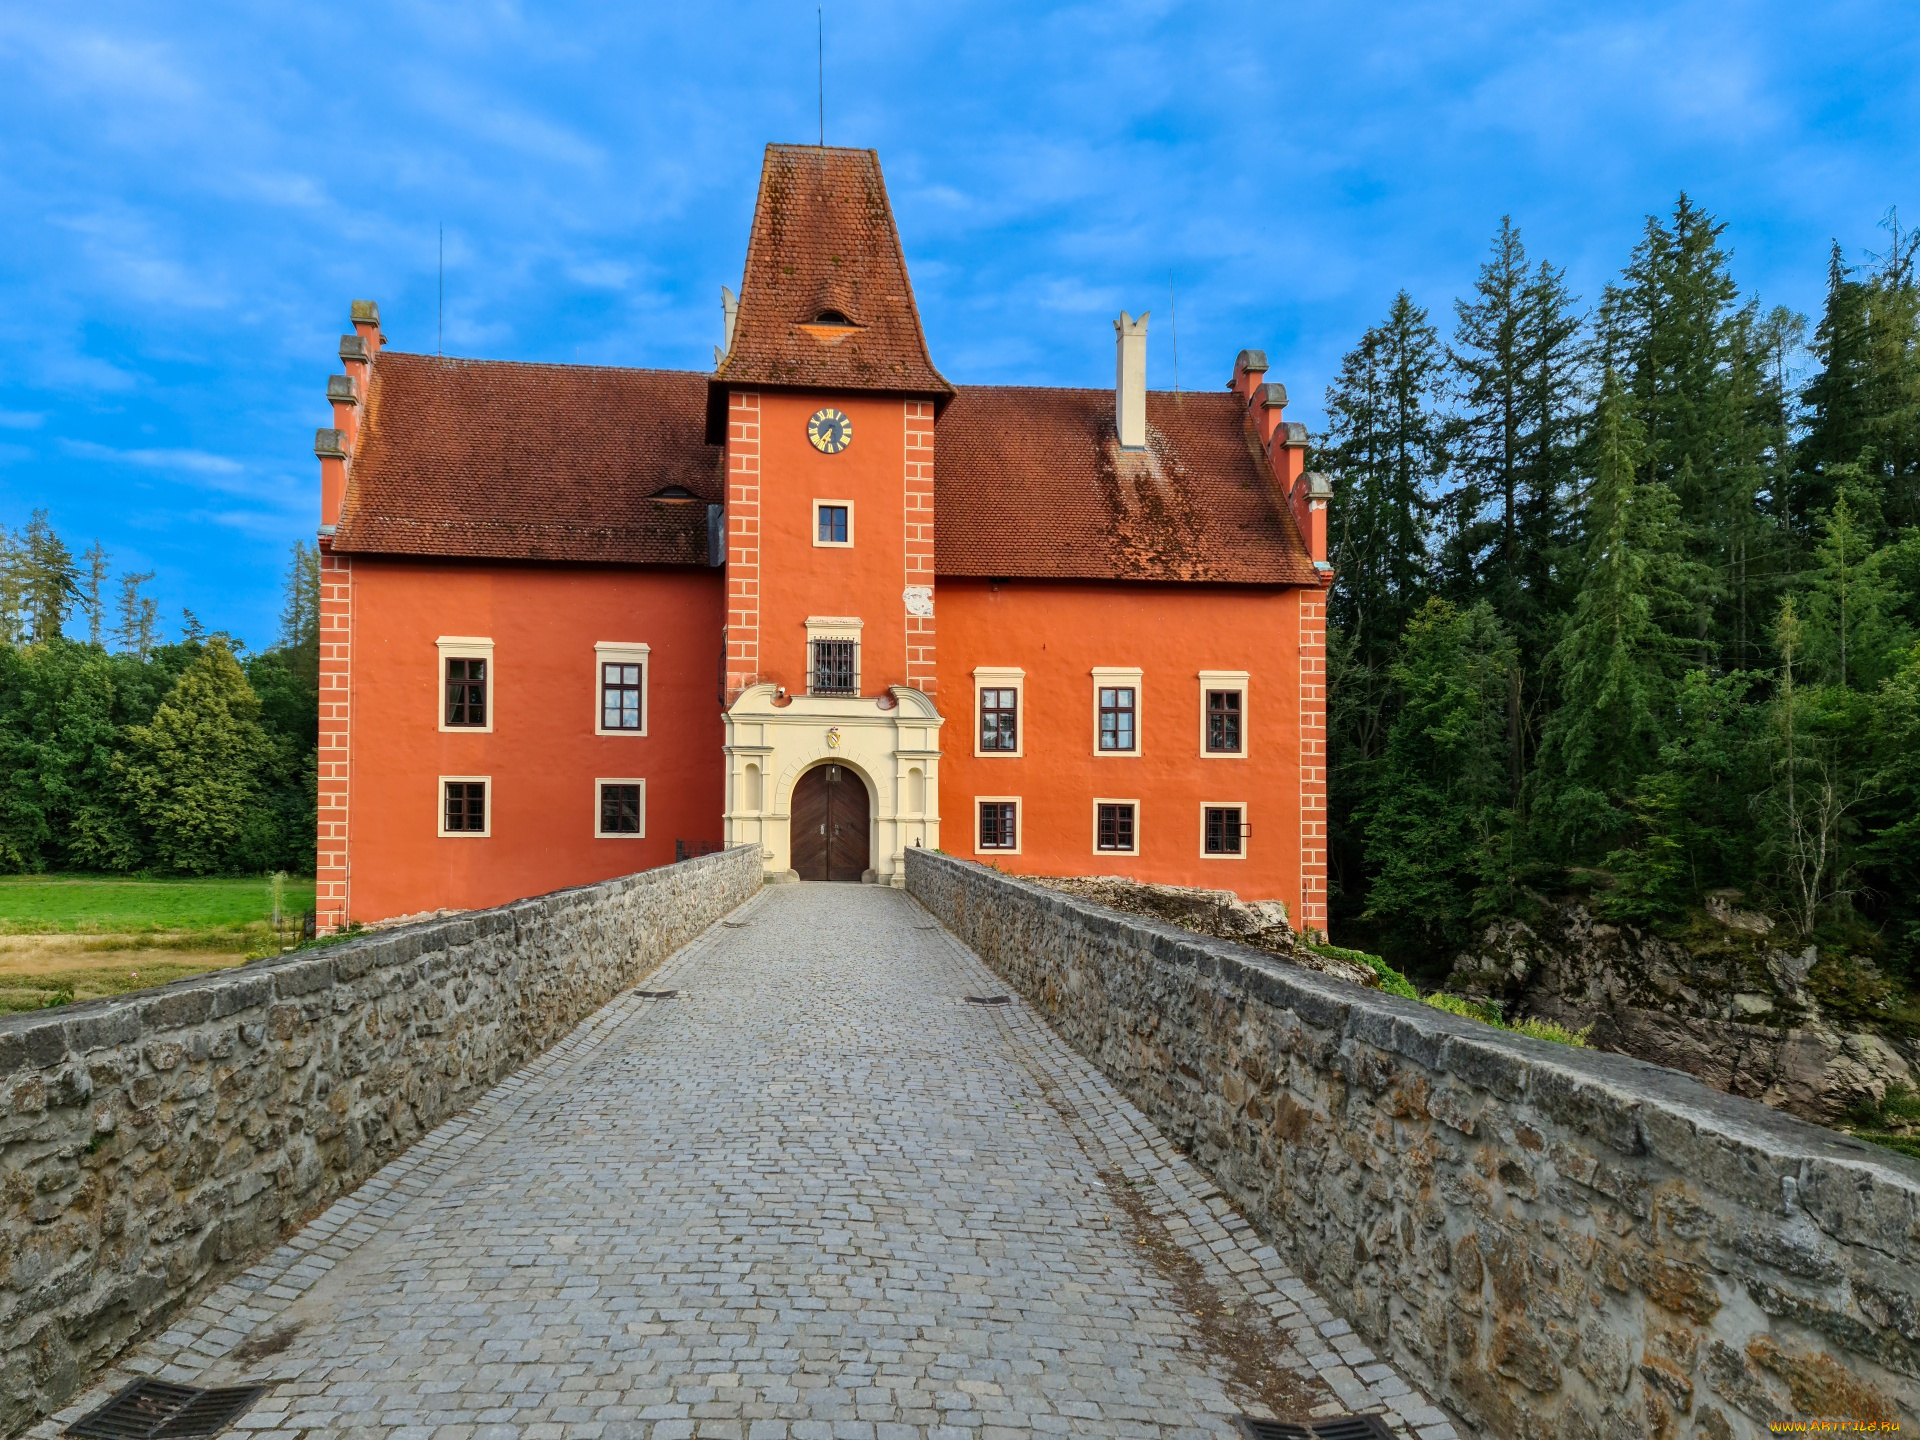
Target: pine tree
195 771
139 617
1617 660
1436 819
51 580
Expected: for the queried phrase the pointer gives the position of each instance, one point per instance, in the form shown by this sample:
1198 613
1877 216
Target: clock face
830 431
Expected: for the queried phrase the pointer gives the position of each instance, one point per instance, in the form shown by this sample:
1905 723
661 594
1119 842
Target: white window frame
814 518
1239 680
600 834
1206 805
440 805
1094 815
464 647
1001 677
1019 824
1110 677
622 652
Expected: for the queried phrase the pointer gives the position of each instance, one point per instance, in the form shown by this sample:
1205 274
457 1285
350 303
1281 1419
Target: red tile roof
824 245
494 460
1032 483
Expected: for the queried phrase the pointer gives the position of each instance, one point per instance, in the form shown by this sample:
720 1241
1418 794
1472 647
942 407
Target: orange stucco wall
1058 633
798 578
543 753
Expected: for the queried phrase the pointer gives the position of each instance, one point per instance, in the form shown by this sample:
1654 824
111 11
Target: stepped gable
825 303
1033 483
490 459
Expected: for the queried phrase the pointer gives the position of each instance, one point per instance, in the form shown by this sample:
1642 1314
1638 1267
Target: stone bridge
680 1157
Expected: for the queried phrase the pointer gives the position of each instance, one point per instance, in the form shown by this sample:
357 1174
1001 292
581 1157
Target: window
619 697
1224 831
466 694
999 695
999 825
620 687
1113 826
1000 718
622 809
463 805
833 523
1223 714
466 683
1116 717
836 667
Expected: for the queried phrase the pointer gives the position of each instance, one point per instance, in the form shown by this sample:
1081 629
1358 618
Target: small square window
1113 827
467 693
1225 830
464 807
1117 717
1224 716
836 667
620 695
998 822
831 525
620 807
999 719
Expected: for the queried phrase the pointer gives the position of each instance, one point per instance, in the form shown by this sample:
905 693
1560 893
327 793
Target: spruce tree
1617 660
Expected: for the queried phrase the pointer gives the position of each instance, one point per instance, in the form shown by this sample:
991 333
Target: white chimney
1130 381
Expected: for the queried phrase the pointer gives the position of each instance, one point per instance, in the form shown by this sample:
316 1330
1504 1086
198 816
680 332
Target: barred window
999 719
466 805
467 692
836 667
1223 722
620 809
1116 717
620 696
1114 830
1225 829
997 823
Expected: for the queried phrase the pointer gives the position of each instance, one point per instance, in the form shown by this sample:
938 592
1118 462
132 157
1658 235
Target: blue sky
192 194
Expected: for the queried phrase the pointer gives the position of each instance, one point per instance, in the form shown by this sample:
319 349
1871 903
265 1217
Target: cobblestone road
816 1196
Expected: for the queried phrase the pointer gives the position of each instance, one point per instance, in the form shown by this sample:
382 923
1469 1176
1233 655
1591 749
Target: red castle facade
579 621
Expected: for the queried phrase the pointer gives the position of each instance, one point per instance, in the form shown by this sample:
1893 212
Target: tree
139 617
195 771
1436 816
1616 660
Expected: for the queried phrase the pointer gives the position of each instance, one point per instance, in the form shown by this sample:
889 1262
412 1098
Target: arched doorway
828 831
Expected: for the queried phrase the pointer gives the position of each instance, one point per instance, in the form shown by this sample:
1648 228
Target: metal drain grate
155 1410
657 994
1334 1427
989 999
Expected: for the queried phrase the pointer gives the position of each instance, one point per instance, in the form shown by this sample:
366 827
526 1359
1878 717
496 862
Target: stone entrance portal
828 825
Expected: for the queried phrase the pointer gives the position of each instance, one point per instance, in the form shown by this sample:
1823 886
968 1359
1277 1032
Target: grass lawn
80 937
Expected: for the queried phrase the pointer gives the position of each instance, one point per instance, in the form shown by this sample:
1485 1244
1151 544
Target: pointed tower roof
825 303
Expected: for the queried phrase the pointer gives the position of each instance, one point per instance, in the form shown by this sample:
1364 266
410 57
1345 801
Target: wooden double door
828 831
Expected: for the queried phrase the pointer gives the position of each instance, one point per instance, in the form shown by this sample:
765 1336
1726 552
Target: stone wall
1557 1242
152 1143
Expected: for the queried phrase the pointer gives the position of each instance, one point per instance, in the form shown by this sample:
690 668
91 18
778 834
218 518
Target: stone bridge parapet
153 1143
1557 1242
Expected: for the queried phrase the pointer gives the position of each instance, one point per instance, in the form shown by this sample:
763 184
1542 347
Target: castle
579 621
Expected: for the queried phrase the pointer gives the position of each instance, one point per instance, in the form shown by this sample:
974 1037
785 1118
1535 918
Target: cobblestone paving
816 1196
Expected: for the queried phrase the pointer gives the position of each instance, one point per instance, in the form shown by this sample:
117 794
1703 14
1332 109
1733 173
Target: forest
120 753
1627 603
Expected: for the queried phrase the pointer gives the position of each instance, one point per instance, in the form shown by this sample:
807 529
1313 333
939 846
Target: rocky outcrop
1730 1004
1220 913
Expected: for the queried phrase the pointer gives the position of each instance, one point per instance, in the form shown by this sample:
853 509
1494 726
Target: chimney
1130 381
